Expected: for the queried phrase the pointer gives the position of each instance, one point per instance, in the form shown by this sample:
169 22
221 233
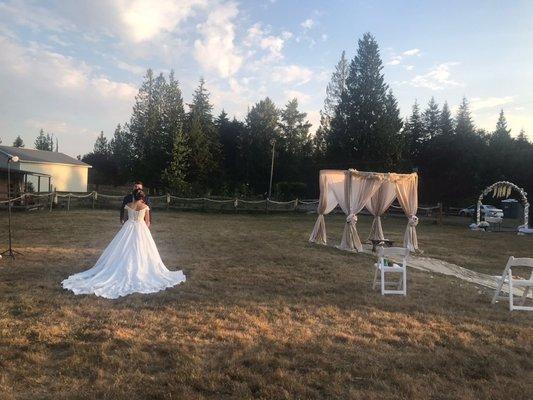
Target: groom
129 199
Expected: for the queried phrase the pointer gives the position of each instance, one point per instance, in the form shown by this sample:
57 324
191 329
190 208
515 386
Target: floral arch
503 189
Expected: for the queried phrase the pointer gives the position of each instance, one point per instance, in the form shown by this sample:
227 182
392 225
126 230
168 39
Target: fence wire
95 200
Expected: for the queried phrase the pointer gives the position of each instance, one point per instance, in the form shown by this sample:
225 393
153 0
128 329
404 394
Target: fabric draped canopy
354 190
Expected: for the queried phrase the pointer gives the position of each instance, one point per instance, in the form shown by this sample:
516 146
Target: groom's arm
124 202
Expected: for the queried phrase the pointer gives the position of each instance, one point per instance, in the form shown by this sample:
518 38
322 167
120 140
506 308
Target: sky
73 68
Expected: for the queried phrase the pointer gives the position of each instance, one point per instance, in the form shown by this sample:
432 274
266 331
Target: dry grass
262 315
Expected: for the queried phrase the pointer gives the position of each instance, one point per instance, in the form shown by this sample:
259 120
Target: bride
131 262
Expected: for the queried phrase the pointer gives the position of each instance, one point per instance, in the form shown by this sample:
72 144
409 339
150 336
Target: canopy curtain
358 191
331 185
378 204
407 192
353 190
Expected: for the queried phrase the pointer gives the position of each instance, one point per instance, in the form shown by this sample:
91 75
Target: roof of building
41 156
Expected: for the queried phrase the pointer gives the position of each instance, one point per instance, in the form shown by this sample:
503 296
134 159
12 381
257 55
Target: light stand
271 168
10 252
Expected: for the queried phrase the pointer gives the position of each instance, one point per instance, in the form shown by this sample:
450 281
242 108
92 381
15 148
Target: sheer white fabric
332 193
130 264
378 204
407 192
358 191
353 190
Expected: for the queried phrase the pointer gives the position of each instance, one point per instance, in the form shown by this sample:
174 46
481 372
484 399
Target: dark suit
129 199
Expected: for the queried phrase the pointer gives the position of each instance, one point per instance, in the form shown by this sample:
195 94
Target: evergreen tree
361 125
262 124
44 142
431 120
391 139
104 167
446 126
463 122
522 137
100 145
415 139
18 142
144 124
121 149
295 148
502 133
334 92
203 143
175 152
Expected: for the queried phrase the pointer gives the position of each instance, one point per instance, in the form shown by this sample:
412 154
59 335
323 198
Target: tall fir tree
174 151
414 135
295 150
18 142
262 122
463 121
431 119
203 143
446 124
44 141
359 127
502 133
122 151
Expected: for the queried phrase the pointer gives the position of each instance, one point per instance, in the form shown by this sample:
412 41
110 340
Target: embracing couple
131 262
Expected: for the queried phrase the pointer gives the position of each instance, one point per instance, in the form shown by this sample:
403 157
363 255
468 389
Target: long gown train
130 264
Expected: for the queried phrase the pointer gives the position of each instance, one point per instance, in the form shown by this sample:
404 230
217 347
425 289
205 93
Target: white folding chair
507 278
382 270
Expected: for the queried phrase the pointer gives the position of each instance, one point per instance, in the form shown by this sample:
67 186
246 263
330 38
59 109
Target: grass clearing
263 314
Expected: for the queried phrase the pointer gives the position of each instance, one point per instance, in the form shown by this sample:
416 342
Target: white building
42 171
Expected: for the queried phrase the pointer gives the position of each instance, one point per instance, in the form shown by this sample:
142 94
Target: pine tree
359 127
18 142
175 151
144 123
262 124
414 136
431 120
446 126
334 91
522 137
100 145
121 149
501 133
391 140
295 143
463 122
44 142
203 143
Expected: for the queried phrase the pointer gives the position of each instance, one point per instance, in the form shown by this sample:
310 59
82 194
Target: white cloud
437 78
412 52
397 59
145 19
478 103
292 74
308 23
59 93
216 51
260 37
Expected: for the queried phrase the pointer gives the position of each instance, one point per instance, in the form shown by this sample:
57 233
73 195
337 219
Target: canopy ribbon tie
351 219
413 220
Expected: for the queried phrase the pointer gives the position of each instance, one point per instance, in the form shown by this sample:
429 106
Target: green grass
263 314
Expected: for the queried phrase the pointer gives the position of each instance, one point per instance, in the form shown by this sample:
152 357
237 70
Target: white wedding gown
130 264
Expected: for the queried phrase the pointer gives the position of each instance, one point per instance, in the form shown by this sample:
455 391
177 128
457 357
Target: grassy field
263 314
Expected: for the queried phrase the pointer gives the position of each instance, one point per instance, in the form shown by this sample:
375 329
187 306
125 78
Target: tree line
186 149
